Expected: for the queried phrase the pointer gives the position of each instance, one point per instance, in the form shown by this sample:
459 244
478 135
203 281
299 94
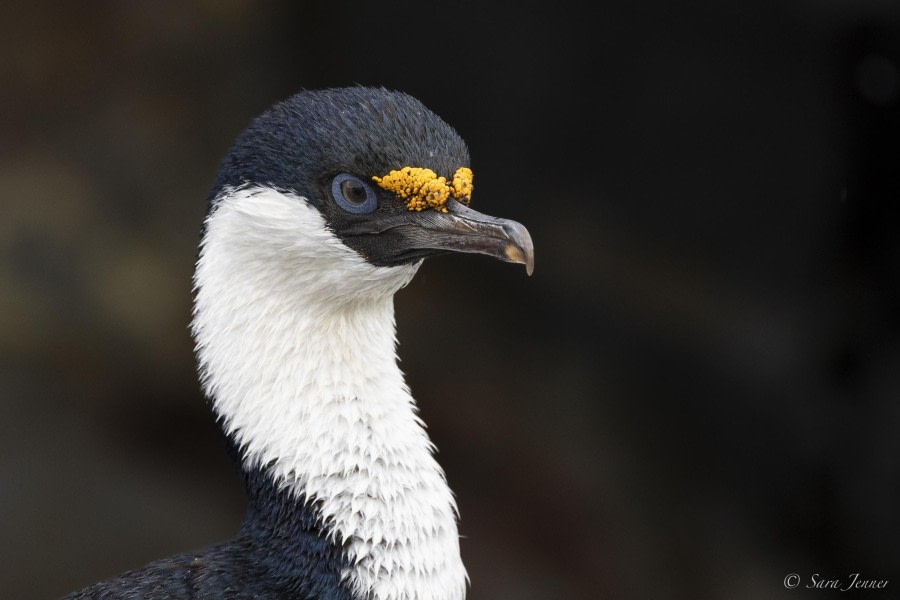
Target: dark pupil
353 191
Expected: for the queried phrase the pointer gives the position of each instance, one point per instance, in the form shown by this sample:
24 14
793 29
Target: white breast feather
296 342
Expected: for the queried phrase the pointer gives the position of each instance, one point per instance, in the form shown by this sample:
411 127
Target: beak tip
520 248
521 253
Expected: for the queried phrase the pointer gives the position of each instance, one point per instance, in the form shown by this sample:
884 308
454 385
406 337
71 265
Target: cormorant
326 206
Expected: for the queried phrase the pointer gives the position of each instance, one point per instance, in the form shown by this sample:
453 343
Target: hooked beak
462 229
403 237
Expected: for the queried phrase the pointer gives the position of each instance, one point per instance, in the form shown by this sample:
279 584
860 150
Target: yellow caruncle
422 188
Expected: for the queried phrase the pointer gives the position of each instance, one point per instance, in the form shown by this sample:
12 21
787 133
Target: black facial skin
301 144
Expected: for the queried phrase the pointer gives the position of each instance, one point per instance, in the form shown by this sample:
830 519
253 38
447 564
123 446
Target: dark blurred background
694 396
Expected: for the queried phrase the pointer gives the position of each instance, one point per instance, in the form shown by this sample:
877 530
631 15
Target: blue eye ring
353 194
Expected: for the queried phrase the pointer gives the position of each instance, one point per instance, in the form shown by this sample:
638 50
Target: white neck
296 342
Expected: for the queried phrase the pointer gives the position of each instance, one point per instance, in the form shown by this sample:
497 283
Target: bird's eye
353 194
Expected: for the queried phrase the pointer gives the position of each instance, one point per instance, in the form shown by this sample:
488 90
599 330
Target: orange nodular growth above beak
422 188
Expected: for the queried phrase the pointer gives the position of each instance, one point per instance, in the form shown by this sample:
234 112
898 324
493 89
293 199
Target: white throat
296 343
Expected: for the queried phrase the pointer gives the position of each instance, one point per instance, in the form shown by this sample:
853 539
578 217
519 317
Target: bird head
356 175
